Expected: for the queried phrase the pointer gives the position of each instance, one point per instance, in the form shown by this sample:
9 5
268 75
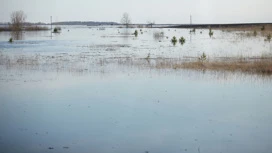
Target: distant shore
27 28
232 25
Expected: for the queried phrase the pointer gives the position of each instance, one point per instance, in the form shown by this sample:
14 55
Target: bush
174 40
57 29
263 28
210 32
255 33
181 40
268 37
148 56
10 40
203 57
136 33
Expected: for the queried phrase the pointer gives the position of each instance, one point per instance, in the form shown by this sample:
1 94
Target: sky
141 11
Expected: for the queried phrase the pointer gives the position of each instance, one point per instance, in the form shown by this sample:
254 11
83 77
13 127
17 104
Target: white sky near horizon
140 11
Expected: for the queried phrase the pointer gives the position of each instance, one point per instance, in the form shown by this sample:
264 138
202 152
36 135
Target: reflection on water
17 35
101 94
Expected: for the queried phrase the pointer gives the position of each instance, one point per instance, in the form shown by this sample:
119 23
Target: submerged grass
83 62
263 30
259 66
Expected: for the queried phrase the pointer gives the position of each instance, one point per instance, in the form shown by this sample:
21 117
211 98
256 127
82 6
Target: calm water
76 92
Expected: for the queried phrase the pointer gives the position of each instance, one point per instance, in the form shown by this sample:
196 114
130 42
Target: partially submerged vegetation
210 32
174 40
57 30
262 66
268 38
10 40
256 66
200 62
136 33
203 57
181 40
253 66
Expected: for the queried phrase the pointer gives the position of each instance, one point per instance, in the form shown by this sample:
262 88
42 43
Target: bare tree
17 20
151 23
126 19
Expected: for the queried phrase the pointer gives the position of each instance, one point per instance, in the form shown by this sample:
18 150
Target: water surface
81 91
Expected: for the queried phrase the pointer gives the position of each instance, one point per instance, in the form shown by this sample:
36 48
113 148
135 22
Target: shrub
57 29
268 37
136 33
210 32
174 40
263 28
10 40
181 40
148 56
203 57
255 33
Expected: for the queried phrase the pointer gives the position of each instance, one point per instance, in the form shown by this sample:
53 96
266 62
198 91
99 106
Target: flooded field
106 91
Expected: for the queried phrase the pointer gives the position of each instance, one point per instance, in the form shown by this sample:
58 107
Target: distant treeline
25 23
234 25
87 23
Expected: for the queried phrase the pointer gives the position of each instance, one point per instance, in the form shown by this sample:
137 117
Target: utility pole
191 19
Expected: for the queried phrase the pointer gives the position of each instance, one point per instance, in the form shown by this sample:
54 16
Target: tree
126 19
17 20
151 23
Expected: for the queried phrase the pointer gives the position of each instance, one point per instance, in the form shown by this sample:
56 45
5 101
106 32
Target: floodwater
89 90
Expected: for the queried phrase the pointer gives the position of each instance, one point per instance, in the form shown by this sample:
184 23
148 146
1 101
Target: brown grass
261 66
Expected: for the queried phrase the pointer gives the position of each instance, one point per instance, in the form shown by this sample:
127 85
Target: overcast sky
140 11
